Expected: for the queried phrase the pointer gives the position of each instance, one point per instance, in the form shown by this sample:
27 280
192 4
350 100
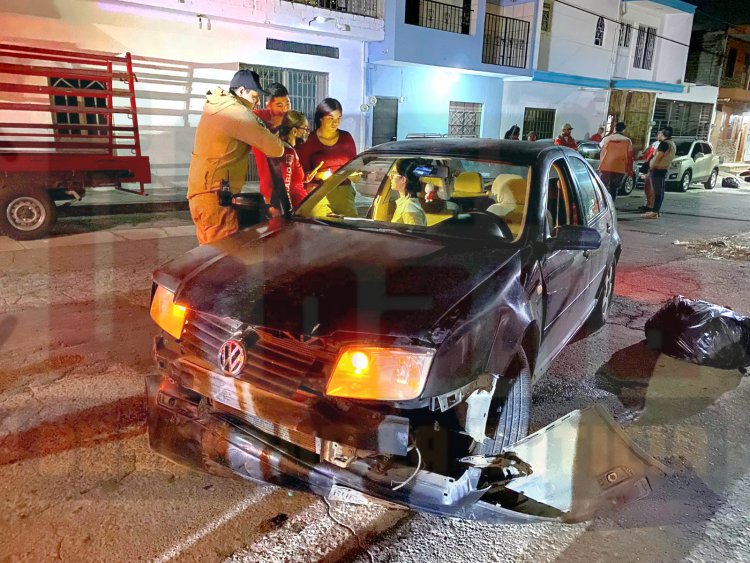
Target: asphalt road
78 483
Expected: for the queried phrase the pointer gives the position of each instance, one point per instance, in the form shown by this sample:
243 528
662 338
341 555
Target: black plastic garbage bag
701 332
730 182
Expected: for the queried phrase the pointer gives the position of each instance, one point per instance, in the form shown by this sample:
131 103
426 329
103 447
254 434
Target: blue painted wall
427 94
421 45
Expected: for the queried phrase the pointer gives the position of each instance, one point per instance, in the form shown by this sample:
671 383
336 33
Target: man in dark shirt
659 167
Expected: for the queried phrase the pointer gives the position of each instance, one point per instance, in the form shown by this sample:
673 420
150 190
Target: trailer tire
26 213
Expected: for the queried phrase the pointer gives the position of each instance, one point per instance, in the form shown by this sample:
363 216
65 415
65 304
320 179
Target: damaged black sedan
342 349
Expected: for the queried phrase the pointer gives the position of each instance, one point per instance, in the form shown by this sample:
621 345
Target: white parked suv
695 162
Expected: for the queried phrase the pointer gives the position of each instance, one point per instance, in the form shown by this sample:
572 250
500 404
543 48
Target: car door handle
586 254
609 228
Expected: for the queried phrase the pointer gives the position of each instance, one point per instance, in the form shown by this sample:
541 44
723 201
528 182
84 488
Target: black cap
620 126
247 79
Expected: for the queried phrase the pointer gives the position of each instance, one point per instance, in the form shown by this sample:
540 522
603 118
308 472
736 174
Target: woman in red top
329 147
293 130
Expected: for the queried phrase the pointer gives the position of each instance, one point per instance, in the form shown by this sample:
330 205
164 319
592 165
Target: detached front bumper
581 463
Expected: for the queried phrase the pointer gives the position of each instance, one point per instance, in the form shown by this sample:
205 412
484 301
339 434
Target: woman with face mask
293 130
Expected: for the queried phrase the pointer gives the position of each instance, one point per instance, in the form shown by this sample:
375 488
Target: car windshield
458 197
683 147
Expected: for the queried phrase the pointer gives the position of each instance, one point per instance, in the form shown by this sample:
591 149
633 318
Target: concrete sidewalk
98 237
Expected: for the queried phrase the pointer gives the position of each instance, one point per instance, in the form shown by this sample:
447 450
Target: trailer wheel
26 213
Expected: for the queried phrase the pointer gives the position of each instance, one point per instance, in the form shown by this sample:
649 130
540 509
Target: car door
564 272
699 162
595 208
708 158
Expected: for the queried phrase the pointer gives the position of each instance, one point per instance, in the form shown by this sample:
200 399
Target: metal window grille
368 8
546 16
464 119
539 120
644 47
60 118
505 41
599 35
625 32
687 119
436 15
306 89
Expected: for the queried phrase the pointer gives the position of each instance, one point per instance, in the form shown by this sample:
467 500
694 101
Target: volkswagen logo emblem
232 357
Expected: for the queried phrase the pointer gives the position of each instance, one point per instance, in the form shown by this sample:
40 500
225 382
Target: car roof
518 152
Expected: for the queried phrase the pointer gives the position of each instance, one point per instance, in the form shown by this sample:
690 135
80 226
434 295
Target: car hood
303 277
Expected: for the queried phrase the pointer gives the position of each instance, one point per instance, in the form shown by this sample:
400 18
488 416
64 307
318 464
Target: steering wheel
495 220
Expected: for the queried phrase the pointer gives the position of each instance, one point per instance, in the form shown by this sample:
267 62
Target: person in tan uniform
227 130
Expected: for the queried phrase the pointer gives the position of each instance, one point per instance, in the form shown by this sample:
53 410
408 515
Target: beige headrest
509 189
468 184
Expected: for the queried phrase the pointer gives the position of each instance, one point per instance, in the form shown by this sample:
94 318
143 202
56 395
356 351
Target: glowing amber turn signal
166 313
385 374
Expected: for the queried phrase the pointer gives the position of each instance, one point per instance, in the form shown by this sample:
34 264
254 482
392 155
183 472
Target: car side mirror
698 155
574 237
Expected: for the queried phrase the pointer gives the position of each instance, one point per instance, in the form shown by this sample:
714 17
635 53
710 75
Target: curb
121 208
98 237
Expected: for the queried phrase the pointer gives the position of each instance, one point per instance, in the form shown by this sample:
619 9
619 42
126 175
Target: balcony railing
436 15
506 41
367 8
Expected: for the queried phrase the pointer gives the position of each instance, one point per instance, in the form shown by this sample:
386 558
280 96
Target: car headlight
166 313
675 164
386 374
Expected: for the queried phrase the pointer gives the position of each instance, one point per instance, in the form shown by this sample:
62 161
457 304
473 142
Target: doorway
384 120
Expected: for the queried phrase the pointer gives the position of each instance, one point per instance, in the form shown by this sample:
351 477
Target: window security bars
464 119
306 90
368 8
96 119
505 41
644 47
599 35
625 32
547 16
436 15
539 120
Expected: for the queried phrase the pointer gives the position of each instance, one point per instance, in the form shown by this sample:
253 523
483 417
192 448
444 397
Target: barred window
464 119
599 35
644 47
547 16
539 120
625 31
83 102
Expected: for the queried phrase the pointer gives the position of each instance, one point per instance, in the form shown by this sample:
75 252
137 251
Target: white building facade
181 52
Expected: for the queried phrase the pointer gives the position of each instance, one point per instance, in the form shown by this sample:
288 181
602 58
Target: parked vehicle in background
61 132
695 162
591 151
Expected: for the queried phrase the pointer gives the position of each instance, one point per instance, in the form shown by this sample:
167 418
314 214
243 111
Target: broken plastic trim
576 467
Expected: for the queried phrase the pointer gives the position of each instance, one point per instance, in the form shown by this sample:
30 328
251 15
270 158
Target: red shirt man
272 115
565 139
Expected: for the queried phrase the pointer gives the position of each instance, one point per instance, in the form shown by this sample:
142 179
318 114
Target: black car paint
475 301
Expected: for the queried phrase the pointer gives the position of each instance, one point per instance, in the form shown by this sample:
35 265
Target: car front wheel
711 182
687 179
627 186
509 415
26 213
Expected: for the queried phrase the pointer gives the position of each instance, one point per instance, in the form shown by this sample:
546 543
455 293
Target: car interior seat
439 209
509 191
469 193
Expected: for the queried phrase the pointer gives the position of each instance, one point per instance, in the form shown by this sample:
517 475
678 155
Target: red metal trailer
68 121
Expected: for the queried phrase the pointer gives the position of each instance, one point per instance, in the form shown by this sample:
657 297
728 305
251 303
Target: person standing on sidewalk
616 160
277 106
226 131
565 139
658 169
598 136
294 130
